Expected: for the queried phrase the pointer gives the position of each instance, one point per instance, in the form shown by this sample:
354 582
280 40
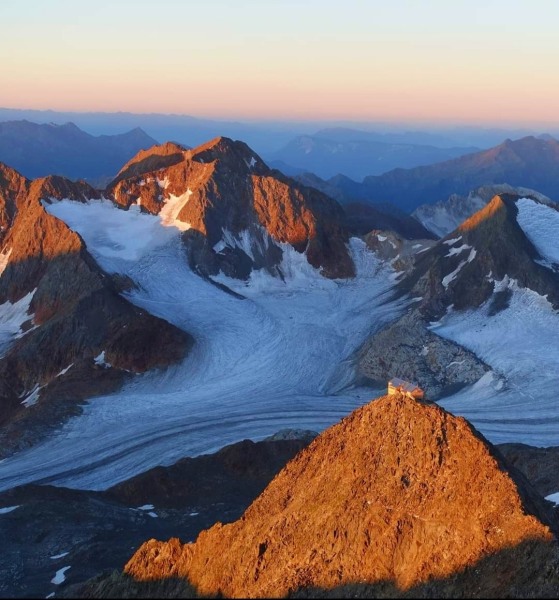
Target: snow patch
146 507
452 241
4 259
61 555
12 317
381 238
447 279
64 371
100 360
540 223
8 509
553 498
171 209
33 397
163 183
458 250
60 577
153 515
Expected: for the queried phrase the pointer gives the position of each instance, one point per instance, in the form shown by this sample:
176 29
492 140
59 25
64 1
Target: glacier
282 356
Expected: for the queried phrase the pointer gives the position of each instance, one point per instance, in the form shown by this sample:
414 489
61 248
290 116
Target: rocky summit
398 491
234 211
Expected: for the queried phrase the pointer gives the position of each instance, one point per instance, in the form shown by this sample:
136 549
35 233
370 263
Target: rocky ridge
398 491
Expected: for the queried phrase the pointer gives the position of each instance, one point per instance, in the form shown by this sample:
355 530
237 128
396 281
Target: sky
483 62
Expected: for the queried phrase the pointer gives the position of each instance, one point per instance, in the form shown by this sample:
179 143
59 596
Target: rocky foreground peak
397 491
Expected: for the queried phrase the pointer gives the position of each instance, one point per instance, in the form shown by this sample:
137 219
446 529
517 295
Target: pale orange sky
358 60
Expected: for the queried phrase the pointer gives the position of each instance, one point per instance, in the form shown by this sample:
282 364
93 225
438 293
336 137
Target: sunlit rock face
66 332
398 491
234 211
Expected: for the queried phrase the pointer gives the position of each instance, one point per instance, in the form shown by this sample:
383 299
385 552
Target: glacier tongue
280 358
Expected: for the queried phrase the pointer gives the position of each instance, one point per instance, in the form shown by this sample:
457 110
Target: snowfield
518 402
282 357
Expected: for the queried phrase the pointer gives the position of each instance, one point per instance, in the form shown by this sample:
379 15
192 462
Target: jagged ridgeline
235 212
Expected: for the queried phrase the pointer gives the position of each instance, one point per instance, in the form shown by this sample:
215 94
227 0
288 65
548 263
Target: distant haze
423 62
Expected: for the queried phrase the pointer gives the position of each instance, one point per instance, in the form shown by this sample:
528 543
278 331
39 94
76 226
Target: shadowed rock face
398 491
229 202
75 314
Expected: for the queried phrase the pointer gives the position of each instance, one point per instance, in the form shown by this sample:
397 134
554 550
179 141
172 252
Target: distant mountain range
39 150
357 154
529 162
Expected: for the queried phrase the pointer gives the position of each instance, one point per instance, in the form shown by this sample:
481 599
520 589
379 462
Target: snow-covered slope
518 401
281 357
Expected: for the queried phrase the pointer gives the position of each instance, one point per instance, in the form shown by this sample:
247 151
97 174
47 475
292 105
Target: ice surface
540 223
60 577
284 357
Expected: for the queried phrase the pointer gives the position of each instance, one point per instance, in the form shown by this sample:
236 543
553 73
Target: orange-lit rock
399 491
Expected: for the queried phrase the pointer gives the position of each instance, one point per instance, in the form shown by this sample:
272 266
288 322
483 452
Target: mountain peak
152 159
224 148
398 491
489 211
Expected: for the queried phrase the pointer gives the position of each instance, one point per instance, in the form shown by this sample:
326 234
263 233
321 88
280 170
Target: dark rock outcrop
408 350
